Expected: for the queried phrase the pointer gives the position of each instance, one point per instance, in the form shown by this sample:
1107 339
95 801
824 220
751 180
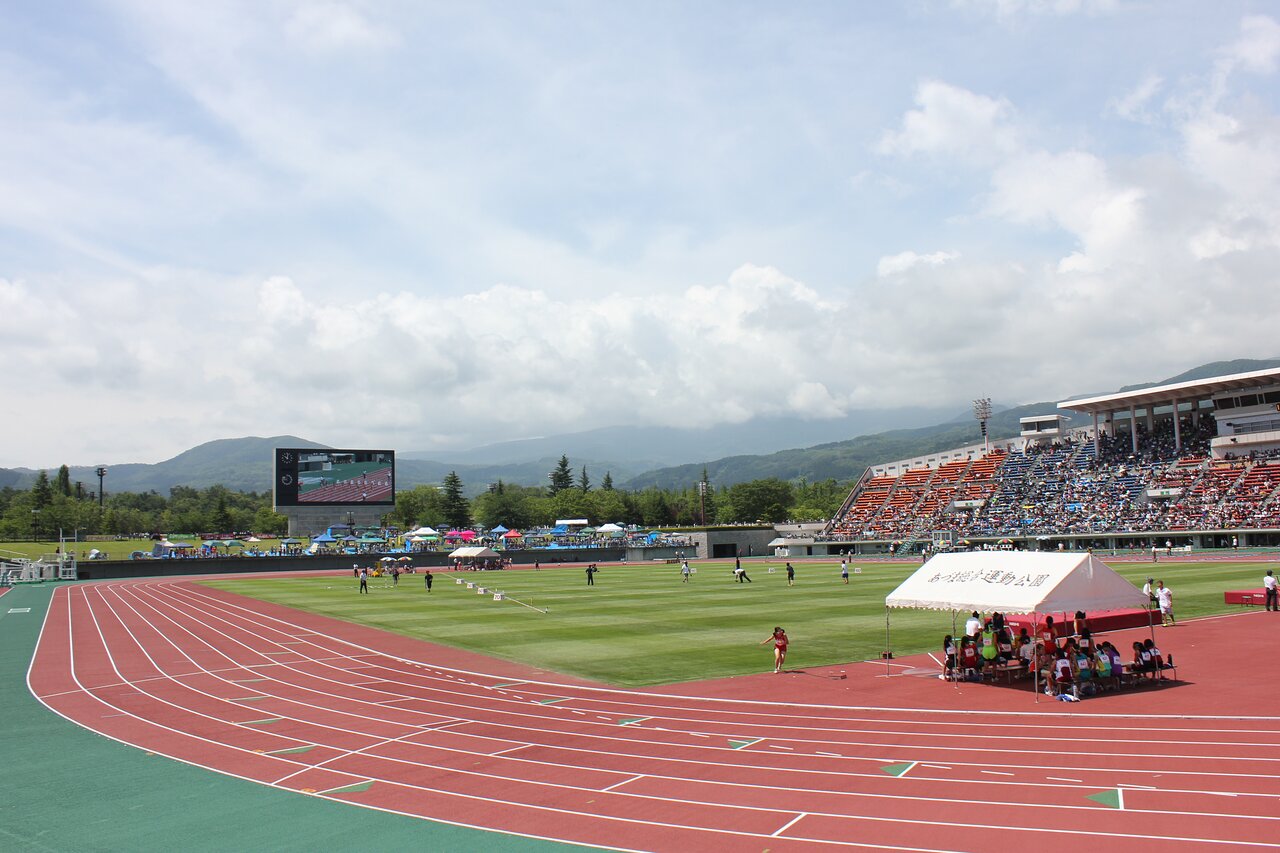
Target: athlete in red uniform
779 639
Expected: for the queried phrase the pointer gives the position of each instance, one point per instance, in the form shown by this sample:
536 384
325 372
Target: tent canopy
473 552
1016 582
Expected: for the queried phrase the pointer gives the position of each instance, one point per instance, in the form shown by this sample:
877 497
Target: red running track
305 703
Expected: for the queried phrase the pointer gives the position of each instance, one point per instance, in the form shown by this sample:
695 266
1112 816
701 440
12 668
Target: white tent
423 531
473 552
609 528
1016 582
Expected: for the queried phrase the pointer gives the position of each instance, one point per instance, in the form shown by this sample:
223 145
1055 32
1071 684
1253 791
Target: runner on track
779 639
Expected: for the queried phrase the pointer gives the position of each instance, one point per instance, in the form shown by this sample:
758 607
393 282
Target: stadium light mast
702 501
101 472
982 411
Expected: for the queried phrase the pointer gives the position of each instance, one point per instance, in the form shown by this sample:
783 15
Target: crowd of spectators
1070 488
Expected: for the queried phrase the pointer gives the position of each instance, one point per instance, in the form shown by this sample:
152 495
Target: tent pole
955 670
886 641
1035 665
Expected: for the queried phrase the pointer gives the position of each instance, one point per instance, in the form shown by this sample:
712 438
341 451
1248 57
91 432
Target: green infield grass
639 625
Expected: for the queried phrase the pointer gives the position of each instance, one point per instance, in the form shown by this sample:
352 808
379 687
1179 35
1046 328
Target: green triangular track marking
510 683
265 722
1109 798
898 769
552 701
633 721
744 743
357 788
246 680
297 750
249 699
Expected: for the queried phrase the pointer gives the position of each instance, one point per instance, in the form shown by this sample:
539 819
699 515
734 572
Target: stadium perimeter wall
117 569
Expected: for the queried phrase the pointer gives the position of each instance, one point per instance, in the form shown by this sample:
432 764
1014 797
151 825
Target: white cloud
1258 47
1010 9
903 261
952 121
1133 105
334 26
396 225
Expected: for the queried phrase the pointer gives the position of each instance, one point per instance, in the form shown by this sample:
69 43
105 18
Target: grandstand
1158 465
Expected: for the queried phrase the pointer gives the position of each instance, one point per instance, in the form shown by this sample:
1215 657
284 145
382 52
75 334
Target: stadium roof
1197 389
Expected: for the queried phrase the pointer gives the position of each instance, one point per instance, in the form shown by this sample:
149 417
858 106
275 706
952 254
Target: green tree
571 503
41 491
221 518
509 506
561 477
607 483
760 500
653 508
584 482
454 507
608 505
267 520
62 482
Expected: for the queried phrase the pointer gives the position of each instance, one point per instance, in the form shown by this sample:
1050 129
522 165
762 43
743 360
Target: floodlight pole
982 411
101 472
702 501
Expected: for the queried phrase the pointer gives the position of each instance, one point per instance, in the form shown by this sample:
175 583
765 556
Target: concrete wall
734 541
309 520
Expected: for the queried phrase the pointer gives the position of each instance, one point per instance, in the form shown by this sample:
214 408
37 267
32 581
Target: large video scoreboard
308 476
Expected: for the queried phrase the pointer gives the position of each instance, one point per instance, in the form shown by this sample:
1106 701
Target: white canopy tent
1014 582
473 552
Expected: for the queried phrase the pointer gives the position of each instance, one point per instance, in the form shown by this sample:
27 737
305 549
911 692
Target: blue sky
417 225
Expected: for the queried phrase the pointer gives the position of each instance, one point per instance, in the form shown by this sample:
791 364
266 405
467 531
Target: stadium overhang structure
1177 397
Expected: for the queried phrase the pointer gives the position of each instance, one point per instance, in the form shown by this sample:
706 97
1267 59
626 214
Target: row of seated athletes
1080 664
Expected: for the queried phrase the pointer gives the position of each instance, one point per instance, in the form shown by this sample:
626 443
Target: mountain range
636 457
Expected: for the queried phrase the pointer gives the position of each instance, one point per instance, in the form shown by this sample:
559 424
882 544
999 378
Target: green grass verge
641 626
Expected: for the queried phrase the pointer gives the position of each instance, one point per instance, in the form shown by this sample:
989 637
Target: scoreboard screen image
307 476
